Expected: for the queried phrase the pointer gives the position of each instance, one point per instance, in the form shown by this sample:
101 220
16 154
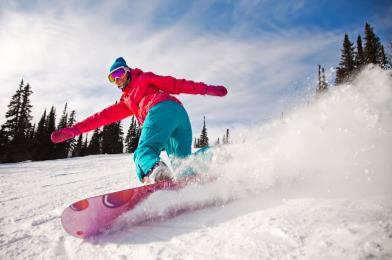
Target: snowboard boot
160 172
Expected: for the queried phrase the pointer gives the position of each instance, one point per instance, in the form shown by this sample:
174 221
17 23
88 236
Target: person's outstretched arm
177 86
107 116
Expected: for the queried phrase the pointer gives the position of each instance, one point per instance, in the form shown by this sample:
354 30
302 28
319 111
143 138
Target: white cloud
65 57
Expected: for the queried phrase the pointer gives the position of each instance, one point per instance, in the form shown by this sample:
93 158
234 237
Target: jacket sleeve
176 86
107 116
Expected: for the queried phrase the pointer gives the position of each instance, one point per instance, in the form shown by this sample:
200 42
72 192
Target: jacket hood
134 74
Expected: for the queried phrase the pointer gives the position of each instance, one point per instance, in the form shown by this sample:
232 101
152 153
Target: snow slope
314 185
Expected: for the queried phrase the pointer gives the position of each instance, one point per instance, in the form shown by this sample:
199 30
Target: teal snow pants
167 127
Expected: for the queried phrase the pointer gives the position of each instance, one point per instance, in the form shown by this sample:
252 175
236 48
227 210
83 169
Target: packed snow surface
315 184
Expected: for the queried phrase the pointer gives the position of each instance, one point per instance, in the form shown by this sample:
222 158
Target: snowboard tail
89 217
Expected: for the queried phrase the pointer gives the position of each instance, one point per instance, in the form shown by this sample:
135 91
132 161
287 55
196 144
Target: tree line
353 59
203 140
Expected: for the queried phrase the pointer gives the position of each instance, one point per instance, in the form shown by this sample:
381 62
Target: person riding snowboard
164 121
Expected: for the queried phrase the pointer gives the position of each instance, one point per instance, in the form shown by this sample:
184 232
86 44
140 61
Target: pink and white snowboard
92 216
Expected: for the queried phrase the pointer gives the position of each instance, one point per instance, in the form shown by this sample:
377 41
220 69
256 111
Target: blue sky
272 16
266 52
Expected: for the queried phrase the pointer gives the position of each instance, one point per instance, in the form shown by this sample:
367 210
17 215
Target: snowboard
92 216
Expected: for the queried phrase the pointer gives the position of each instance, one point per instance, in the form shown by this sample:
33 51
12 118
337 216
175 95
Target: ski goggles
117 73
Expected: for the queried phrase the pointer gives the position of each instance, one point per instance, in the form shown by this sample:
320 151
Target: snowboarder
165 122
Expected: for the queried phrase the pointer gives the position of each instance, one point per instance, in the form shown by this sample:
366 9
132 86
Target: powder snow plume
337 145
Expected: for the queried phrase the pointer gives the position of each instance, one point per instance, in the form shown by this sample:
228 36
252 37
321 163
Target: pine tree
84 150
9 130
371 45
132 137
3 144
136 137
63 147
64 118
71 119
107 139
112 139
30 140
128 138
95 146
13 114
51 127
77 150
227 136
346 65
18 125
72 142
81 147
119 133
359 59
374 50
382 58
389 55
25 115
203 136
322 83
41 145
44 149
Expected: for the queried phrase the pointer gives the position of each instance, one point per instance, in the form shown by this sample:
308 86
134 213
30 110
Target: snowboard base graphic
92 216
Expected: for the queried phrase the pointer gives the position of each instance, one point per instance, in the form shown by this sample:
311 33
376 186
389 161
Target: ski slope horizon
312 185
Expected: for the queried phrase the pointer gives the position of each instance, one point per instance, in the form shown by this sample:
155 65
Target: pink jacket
143 92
